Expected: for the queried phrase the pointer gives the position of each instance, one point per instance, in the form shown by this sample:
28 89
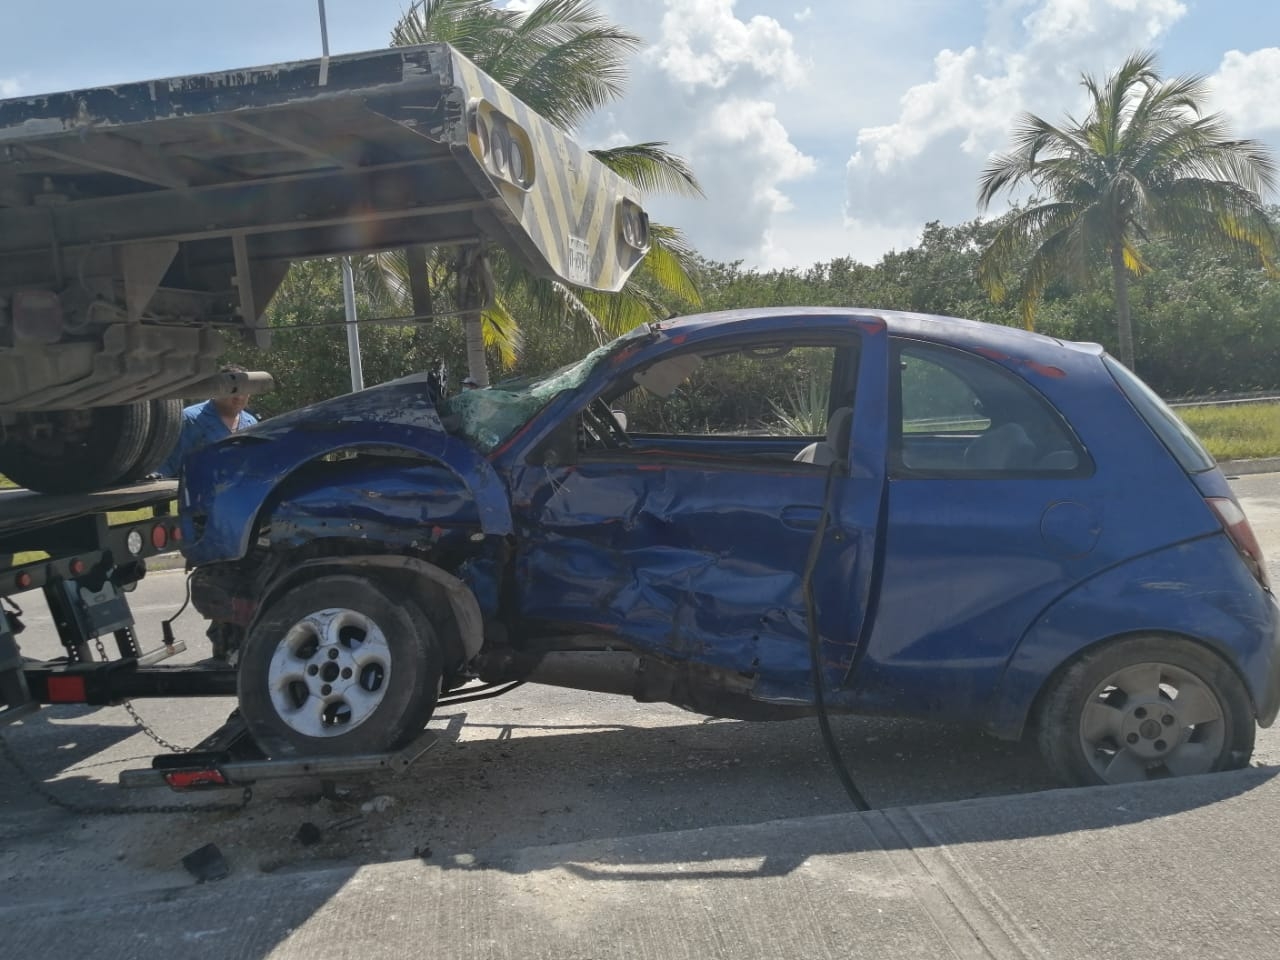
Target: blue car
927 516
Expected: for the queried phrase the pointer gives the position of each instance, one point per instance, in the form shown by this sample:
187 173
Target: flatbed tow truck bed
23 510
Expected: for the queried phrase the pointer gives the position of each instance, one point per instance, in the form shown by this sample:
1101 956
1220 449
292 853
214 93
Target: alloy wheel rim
1150 721
330 672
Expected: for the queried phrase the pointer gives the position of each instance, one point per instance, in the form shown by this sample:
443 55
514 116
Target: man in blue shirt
203 423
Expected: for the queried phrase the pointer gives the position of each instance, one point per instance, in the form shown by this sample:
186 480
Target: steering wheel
602 426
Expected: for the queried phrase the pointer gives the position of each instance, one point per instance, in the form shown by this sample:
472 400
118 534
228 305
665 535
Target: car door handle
801 518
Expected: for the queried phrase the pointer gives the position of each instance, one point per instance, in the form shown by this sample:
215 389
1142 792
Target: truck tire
84 450
336 666
166 427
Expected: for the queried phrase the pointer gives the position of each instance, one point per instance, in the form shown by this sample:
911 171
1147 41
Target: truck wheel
339 665
73 451
166 427
1145 708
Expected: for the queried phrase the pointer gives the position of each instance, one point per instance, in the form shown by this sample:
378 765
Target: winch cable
815 645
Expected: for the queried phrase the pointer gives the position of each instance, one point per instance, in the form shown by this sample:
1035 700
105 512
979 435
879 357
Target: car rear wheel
72 451
339 665
1145 708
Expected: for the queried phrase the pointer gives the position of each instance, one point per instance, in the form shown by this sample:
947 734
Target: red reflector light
1237 526
77 567
176 534
194 779
159 537
67 690
23 580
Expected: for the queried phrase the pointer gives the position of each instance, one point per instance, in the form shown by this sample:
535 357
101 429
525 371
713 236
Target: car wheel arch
1050 681
1145 594
461 632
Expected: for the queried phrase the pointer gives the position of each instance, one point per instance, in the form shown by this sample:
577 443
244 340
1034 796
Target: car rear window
1173 433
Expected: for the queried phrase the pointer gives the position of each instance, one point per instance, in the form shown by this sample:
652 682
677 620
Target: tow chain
38 786
142 724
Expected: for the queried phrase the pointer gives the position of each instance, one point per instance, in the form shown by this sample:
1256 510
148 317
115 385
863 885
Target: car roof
953 331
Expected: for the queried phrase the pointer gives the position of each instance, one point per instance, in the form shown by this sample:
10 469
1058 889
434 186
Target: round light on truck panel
517 161
500 148
133 542
159 537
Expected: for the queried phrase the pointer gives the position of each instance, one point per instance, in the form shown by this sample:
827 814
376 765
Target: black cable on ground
166 626
815 646
485 692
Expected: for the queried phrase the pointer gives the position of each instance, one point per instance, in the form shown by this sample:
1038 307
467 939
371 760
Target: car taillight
1237 526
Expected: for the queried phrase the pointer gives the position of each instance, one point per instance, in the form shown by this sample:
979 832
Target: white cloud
704 44
751 138
804 240
925 165
1247 89
803 15
712 86
9 87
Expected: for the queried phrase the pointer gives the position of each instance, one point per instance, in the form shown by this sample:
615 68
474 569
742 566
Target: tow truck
140 223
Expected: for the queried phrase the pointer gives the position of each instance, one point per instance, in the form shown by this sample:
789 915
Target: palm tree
565 61
1145 160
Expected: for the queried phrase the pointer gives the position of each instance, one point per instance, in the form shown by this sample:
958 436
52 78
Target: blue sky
820 128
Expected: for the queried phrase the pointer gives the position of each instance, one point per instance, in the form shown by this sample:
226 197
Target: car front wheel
1145 708
339 665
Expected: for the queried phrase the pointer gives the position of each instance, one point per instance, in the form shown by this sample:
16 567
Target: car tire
337 666
1145 708
91 449
162 436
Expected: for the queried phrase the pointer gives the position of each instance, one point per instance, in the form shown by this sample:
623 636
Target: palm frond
671 263
651 167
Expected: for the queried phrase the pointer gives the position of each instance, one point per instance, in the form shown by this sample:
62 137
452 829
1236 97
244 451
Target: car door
692 542
990 515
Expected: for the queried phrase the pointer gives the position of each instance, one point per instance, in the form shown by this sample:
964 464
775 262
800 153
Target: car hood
405 402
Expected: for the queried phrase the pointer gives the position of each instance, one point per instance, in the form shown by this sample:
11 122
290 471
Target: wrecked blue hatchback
931 517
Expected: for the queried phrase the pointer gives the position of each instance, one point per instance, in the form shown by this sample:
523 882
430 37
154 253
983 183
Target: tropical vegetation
1147 160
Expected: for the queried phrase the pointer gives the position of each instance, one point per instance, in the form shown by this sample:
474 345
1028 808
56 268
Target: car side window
758 402
960 414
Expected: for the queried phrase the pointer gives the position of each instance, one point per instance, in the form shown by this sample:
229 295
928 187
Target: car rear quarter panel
1198 590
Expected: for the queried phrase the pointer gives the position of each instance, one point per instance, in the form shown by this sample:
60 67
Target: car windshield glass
487 417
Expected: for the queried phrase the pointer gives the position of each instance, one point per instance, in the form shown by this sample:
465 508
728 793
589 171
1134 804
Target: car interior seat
1006 447
836 445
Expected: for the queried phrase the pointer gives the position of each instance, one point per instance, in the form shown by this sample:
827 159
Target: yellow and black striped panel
571 210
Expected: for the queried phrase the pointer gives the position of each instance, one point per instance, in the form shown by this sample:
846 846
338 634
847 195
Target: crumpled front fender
226 485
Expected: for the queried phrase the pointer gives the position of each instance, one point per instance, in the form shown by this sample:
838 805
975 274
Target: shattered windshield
487 417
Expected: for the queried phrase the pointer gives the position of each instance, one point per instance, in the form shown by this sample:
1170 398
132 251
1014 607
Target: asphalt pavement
563 825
